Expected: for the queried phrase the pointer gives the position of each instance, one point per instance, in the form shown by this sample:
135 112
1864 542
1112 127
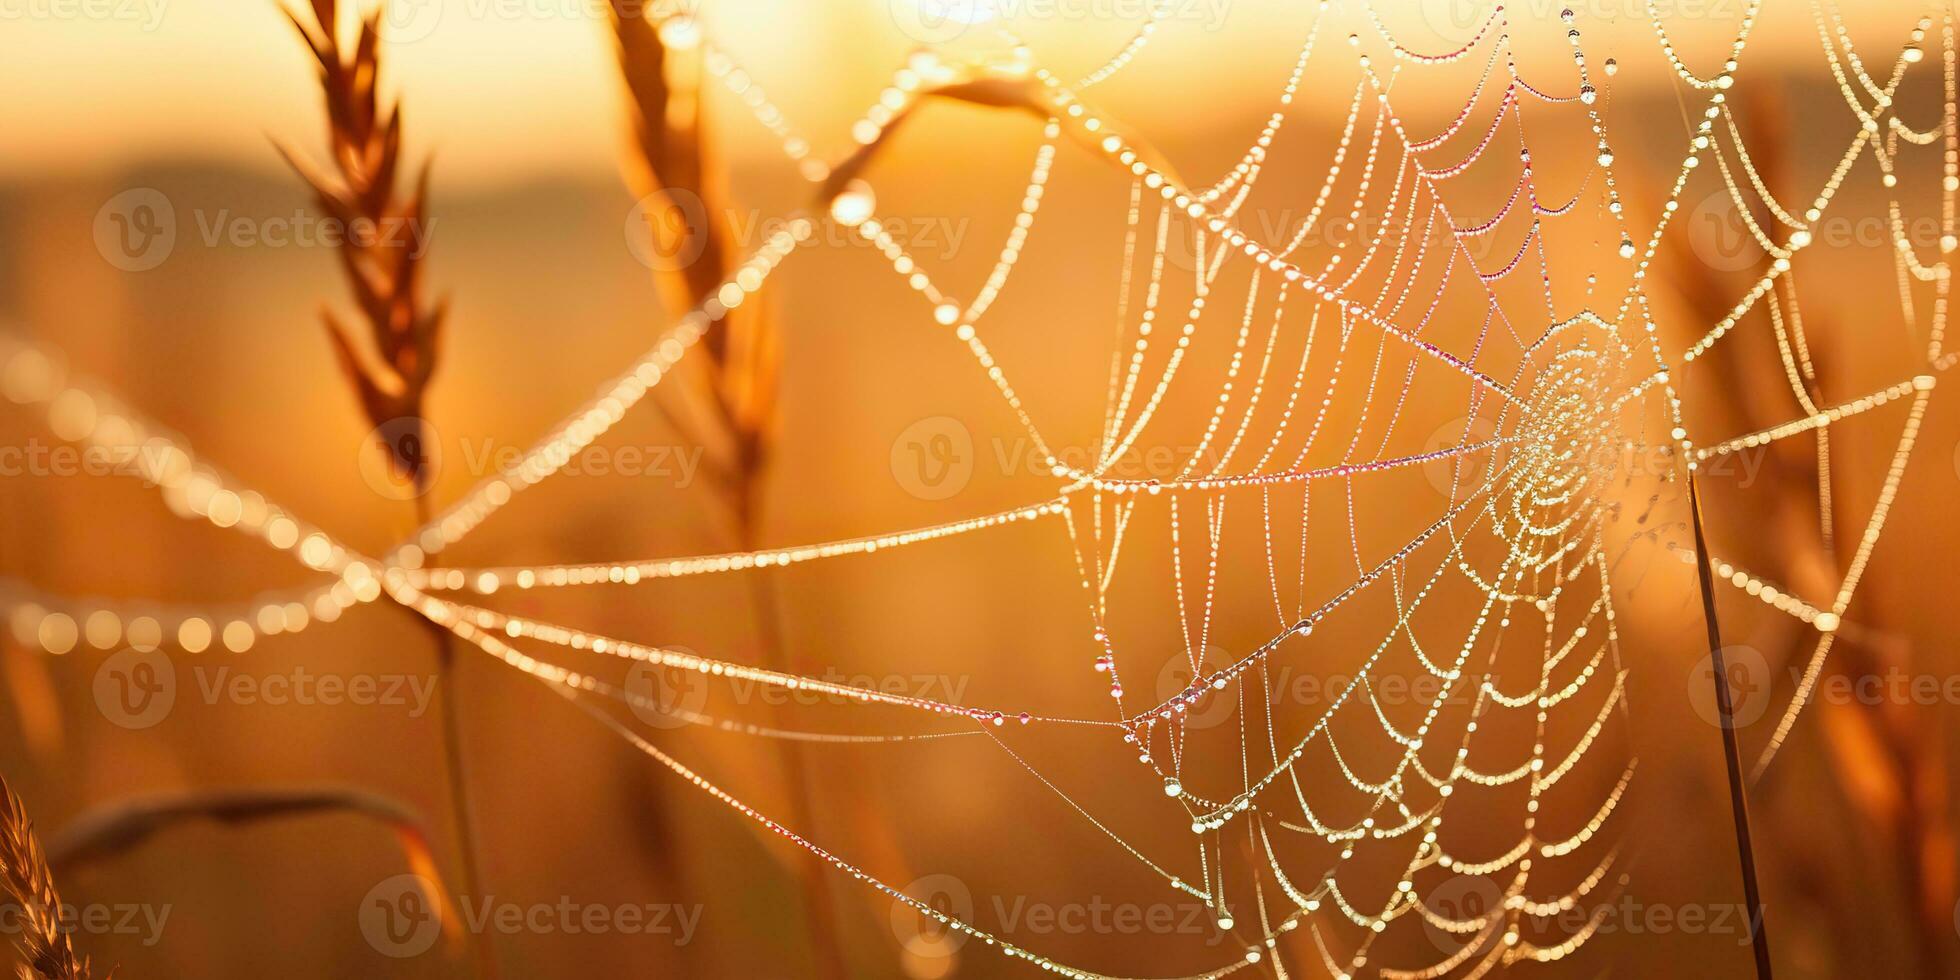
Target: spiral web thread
1322 340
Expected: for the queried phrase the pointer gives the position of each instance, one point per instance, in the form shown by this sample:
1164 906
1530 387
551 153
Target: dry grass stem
391 372
729 406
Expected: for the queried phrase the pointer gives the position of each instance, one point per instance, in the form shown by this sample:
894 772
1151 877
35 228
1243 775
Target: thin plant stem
819 910
457 777
1732 754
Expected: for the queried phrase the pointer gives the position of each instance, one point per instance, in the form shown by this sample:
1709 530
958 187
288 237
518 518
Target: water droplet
680 33
854 205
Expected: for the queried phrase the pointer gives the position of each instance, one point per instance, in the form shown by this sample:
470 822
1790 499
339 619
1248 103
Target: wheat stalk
735 374
43 944
384 270
384 273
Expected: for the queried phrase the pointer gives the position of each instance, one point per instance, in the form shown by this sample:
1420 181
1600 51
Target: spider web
1304 373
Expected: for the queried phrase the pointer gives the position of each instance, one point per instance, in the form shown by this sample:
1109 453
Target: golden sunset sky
507 90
